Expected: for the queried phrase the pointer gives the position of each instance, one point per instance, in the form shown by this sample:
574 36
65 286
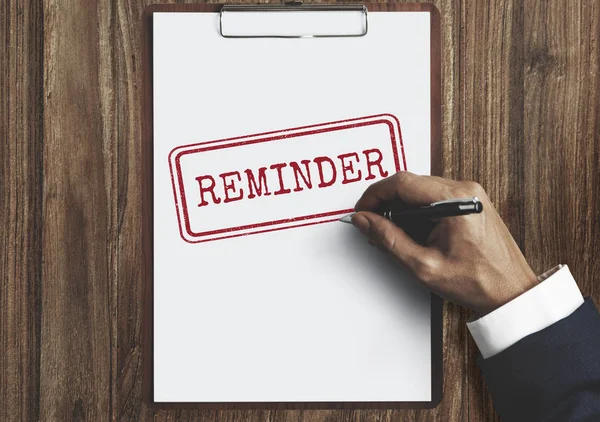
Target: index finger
406 187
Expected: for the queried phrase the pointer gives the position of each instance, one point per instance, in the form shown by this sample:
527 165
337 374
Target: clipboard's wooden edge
147 211
147 222
437 330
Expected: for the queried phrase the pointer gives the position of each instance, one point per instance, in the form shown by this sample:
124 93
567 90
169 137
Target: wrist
555 296
509 288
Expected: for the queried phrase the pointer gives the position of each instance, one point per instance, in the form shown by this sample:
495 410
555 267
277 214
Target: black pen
397 212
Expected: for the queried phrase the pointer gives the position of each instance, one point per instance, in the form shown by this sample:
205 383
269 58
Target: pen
397 212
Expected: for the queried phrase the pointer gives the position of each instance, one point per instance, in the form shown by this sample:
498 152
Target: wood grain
21 185
521 114
78 221
562 136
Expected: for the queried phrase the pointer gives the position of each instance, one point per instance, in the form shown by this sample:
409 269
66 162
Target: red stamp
282 179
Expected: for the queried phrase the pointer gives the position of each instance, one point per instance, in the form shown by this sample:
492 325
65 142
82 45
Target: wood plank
78 233
126 62
489 148
562 138
21 161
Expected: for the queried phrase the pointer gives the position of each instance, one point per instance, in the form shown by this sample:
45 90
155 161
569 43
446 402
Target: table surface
521 115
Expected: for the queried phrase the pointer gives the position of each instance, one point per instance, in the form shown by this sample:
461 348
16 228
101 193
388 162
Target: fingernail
361 223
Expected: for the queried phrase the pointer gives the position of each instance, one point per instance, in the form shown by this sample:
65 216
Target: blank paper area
303 314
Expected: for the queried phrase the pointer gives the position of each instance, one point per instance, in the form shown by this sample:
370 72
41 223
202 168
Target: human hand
471 260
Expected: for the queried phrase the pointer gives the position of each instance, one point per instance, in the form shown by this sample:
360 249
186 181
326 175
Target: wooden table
521 115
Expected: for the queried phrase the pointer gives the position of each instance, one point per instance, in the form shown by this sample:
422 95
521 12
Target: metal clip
466 201
294 6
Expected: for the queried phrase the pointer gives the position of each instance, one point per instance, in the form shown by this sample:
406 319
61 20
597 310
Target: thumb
391 238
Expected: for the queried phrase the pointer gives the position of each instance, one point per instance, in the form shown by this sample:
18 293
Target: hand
471 260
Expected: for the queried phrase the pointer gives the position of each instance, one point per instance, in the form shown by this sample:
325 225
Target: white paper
302 314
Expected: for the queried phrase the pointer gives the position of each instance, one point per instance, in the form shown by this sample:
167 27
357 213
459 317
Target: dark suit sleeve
551 375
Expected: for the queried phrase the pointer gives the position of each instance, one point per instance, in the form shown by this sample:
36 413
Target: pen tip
347 218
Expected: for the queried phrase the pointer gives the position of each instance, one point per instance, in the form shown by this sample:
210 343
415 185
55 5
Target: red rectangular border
176 175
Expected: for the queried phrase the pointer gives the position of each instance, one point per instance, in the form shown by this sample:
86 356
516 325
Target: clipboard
224 14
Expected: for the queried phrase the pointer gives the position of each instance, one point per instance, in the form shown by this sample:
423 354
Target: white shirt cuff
550 301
